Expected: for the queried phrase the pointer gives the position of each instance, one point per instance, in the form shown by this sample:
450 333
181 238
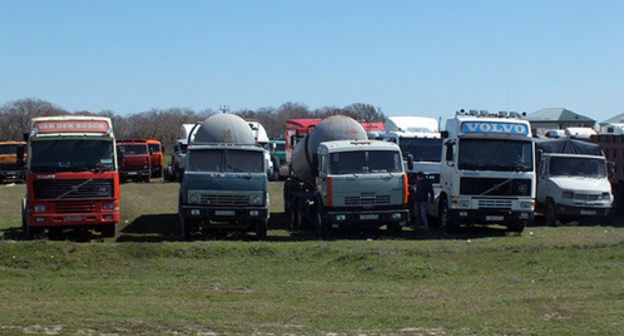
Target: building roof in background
557 114
618 119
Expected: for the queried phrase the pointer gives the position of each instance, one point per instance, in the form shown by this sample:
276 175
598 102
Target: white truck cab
572 182
487 171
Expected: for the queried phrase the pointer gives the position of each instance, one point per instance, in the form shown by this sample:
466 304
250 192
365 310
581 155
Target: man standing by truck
422 193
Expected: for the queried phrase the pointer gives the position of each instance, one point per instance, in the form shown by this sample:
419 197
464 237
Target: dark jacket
421 190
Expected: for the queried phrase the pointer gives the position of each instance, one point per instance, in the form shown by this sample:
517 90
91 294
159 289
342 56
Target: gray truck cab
225 185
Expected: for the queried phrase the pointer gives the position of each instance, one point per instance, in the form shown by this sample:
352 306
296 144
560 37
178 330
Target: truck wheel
108 231
446 223
292 212
322 227
261 229
394 229
516 227
187 228
550 216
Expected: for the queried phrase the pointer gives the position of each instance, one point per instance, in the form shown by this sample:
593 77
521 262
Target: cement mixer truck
342 180
225 184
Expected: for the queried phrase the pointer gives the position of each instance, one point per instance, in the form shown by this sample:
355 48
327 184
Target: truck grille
61 189
75 207
367 200
494 186
225 199
494 204
587 197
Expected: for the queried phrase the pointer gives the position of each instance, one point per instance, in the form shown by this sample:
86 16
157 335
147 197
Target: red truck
72 180
135 161
156 151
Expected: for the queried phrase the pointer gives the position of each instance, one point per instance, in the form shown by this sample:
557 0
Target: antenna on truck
224 108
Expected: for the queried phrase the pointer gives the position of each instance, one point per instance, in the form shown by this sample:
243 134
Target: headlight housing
567 194
194 198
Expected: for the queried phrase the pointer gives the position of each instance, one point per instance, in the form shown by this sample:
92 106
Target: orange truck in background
12 160
72 179
156 152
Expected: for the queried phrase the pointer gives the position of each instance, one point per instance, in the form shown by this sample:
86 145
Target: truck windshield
422 149
365 162
71 155
498 155
226 160
8 149
134 149
155 148
576 166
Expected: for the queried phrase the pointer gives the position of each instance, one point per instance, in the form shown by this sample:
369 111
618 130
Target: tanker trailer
225 184
343 181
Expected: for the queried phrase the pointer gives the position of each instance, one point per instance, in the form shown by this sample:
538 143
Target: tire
550 215
292 212
516 227
261 229
109 231
323 230
394 229
188 228
446 223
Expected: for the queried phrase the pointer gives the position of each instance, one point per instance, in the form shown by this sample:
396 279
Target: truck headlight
463 203
40 208
605 196
108 206
194 198
525 205
567 194
255 200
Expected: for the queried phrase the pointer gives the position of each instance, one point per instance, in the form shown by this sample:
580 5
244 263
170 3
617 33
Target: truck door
542 180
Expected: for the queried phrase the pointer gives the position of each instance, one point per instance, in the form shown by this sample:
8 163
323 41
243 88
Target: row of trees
165 124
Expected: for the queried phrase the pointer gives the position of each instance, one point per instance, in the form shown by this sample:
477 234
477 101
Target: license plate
74 218
588 212
494 218
224 212
369 217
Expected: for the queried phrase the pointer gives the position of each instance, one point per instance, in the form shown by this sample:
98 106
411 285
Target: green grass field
547 281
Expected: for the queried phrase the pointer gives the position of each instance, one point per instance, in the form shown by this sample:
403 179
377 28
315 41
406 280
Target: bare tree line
165 124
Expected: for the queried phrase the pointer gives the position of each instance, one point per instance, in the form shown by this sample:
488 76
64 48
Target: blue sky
421 58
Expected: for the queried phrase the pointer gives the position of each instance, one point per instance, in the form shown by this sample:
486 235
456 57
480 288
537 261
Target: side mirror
449 151
410 162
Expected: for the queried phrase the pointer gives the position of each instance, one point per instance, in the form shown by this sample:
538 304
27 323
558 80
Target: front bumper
490 216
349 218
582 211
224 217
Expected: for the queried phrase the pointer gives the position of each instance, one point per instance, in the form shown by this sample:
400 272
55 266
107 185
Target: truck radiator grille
62 189
494 204
76 207
494 186
224 199
367 200
587 197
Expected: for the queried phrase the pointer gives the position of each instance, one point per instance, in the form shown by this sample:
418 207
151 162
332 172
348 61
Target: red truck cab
71 180
135 161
